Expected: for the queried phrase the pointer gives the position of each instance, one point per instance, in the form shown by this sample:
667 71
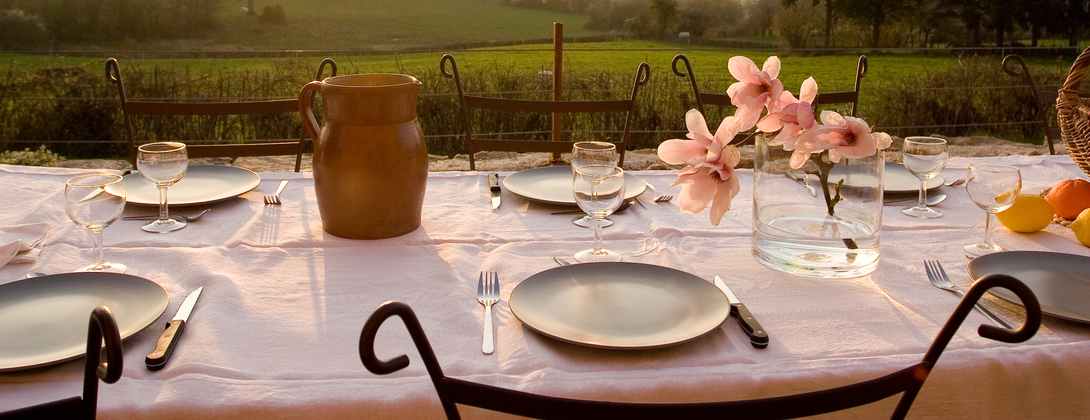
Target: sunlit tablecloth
275 334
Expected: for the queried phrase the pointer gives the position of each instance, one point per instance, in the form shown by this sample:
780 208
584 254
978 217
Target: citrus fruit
1069 198
1029 213
1081 226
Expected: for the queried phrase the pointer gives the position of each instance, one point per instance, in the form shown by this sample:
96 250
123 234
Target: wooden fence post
558 82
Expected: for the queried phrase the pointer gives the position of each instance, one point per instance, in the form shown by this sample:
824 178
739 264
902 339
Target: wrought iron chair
850 97
907 381
1014 66
101 327
449 68
271 147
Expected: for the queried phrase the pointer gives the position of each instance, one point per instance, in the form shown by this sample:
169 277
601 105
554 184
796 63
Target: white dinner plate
618 305
552 185
897 180
1060 281
201 185
43 320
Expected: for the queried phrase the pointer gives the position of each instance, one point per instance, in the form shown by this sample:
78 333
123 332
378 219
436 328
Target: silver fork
665 198
939 279
488 293
274 199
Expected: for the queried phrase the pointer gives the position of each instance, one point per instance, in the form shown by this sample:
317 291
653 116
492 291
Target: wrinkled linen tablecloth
276 331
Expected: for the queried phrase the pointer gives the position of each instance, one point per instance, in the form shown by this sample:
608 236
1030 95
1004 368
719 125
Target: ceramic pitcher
370 160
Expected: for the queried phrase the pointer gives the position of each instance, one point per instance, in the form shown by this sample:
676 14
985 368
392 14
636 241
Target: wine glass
924 157
586 153
163 163
599 191
94 201
994 189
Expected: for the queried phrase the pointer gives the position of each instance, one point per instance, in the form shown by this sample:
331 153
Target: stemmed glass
164 163
585 153
94 201
994 189
599 191
924 157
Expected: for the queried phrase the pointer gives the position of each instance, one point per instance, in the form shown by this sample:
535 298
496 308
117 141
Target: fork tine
927 267
496 277
942 272
480 285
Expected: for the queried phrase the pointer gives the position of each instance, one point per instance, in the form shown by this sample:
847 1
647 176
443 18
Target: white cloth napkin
18 243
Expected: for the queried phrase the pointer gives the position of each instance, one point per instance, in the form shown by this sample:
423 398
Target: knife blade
757 335
494 187
166 343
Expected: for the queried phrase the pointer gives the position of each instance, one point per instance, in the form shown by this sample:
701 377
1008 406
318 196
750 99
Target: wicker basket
1073 113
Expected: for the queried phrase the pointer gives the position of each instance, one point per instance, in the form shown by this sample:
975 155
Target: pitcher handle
306 104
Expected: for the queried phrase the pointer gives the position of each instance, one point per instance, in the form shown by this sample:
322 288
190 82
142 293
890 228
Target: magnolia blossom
755 88
843 137
790 116
708 177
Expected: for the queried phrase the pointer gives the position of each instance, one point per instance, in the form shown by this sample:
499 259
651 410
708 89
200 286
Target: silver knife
164 347
757 335
494 187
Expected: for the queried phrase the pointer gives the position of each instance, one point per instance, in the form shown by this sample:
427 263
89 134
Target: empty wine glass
994 189
924 157
599 190
586 153
164 163
95 201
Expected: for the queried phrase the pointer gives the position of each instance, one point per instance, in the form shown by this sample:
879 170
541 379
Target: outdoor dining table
275 334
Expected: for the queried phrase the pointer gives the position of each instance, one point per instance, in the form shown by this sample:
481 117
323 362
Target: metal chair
449 68
101 327
270 147
1014 66
850 97
907 381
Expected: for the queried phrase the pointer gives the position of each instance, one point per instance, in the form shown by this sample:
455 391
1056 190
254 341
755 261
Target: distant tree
1077 15
665 12
1000 17
250 8
830 5
1037 16
971 13
875 13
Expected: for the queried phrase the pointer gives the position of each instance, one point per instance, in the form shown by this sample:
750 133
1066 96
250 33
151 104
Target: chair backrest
908 381
102 327
684 69
449 68
1014 66
278 147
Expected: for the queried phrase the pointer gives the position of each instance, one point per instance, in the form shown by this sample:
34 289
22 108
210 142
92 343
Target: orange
1069 198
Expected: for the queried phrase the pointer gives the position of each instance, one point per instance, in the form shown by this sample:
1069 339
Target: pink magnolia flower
755 89
708 177
790 116
843 137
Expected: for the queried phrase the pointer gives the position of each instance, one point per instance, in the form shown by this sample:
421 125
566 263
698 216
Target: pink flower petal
747 116
804 114
884 140
809 90
727 130
724 194
743 69
799 158
697 192
680 152
772 67
698 127
832 118
770 122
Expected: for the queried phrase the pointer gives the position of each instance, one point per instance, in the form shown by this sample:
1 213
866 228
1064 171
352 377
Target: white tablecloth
275 334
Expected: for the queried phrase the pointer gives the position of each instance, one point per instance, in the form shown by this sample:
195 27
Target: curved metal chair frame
279 147
908 381
449 68
100 327
1014 66
684 70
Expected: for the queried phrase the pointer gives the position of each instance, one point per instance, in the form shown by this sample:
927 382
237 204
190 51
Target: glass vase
821 220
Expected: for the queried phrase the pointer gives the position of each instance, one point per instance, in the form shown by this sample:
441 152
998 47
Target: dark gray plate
1060 281
43 320
201 185
617 305
552 185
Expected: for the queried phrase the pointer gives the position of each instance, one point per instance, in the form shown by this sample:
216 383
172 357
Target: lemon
1029 213
1081 226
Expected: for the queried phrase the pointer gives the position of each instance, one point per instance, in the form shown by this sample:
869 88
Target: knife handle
494 182
757 335
164 347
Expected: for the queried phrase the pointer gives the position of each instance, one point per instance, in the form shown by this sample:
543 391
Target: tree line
94 20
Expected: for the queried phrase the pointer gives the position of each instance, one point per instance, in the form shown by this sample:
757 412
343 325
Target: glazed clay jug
370 160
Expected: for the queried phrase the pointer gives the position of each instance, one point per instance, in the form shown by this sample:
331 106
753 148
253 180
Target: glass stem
597 236
96 236
988 229
923 194
164 214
